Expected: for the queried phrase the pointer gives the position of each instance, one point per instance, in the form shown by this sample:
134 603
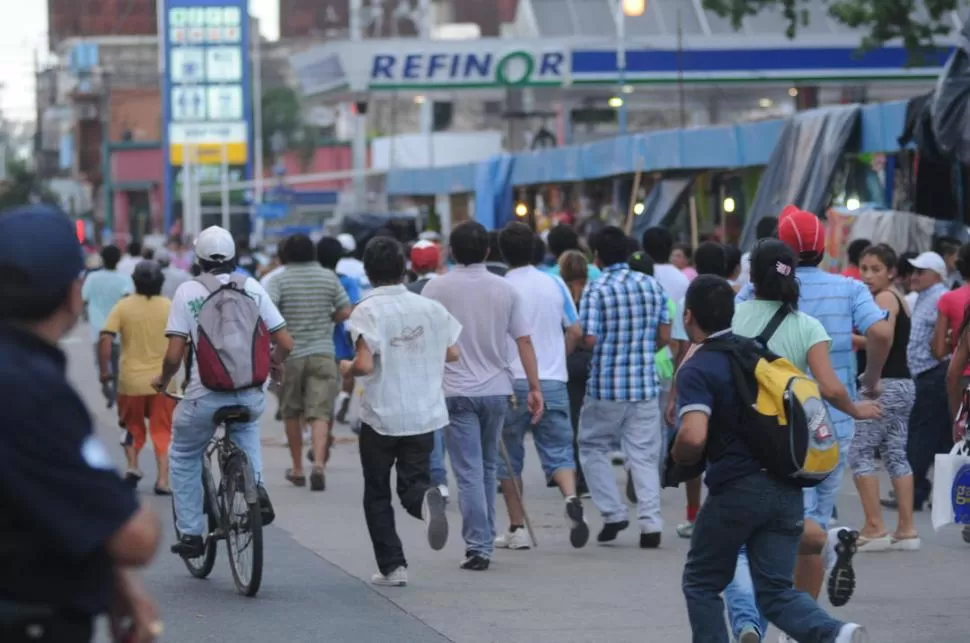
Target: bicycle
225 519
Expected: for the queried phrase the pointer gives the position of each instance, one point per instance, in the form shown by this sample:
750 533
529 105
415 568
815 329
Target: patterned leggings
888 433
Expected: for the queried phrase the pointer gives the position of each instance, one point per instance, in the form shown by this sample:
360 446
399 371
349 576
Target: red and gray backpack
232 352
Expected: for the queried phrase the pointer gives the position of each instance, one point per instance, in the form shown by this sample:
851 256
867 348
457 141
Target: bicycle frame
222 446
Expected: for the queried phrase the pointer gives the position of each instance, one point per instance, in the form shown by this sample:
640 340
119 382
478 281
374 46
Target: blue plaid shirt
622 310
841 304
919 357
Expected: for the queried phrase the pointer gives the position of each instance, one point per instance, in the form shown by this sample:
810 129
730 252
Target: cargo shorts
309 387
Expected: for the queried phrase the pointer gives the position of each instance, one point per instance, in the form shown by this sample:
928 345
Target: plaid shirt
919 357
622 310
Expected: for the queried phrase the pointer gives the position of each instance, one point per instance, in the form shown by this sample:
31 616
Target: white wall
439 150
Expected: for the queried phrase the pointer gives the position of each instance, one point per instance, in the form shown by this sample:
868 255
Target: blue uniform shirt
62 498
343 349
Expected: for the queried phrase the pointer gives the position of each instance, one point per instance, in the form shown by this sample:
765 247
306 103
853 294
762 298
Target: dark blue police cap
41 241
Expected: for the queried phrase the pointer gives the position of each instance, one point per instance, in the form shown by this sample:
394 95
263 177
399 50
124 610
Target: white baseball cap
347 241
215 244
930 261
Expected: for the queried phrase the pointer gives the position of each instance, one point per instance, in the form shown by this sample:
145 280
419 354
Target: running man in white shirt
548 309
403 341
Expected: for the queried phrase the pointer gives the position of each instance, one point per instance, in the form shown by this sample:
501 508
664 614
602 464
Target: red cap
802 231
425 256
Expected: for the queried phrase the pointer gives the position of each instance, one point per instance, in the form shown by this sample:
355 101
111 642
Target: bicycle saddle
232 415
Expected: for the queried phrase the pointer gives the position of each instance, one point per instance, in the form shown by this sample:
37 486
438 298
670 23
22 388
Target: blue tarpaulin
702 148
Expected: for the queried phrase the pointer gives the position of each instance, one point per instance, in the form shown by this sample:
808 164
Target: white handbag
945 470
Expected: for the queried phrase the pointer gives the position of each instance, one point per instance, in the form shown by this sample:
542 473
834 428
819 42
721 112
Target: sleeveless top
896 367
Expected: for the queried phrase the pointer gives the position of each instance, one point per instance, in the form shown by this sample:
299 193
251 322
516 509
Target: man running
192 423
626 320
329 252
402 343
478 385
311 300
549 310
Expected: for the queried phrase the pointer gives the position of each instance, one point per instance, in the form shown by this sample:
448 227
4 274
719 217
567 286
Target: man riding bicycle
192 425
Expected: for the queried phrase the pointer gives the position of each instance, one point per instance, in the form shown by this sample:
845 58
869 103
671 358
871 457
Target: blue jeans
439 475
742 608
192 429
472 436
765 515
637 424
553 435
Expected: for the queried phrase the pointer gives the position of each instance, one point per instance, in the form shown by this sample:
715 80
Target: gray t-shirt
489 311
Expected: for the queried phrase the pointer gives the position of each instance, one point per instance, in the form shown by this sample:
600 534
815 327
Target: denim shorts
820 500
553 435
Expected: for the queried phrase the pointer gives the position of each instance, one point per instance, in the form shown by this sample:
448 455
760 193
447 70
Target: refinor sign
468 69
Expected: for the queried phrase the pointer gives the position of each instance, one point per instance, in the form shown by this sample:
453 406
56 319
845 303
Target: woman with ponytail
803 341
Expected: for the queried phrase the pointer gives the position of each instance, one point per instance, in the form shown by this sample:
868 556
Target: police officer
71 532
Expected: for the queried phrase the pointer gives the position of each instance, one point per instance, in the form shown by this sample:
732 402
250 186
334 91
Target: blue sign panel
272 211
206 89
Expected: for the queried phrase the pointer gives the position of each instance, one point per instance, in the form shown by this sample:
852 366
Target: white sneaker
397 578
852 633
443 489
518 539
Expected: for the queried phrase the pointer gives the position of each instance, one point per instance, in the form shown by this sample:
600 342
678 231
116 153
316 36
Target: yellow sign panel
208 153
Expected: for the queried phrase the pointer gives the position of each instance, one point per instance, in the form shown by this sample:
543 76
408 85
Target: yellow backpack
785 422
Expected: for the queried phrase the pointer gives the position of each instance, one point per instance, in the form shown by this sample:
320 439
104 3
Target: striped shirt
919 357
623 310
841 304
308 295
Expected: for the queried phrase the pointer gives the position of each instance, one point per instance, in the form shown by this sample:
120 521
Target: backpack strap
239 281
773 324
209 281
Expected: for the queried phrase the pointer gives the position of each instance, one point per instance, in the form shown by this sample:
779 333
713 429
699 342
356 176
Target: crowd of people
604 350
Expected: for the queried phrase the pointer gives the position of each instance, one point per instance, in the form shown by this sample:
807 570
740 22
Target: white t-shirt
354 268
548 308
745 275
409 336
672 280
269 276
127 264
184 316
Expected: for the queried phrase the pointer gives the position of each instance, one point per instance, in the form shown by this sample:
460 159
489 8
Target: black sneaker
650 541
578 529
610 530
435 520
344 409
841 583
189 546
265 506
475 562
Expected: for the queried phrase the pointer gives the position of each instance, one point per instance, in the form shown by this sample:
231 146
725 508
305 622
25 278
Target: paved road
319 559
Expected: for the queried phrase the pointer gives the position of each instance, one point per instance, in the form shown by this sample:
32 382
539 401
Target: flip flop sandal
841 583
881 543
296 480
162 491
133 477
318 481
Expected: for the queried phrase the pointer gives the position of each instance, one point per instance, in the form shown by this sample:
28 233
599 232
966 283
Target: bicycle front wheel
244 521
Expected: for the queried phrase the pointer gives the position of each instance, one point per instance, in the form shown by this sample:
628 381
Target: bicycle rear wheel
244 526
201 566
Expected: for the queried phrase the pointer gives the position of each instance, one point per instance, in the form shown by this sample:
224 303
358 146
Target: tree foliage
283 114
22 187
916 24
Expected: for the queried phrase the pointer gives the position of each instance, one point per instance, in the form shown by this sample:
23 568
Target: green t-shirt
797 333
663 362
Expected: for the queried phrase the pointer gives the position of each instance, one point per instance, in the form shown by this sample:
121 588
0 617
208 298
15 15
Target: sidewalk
614 594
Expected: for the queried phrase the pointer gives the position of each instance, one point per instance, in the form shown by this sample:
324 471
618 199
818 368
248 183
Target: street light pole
621 60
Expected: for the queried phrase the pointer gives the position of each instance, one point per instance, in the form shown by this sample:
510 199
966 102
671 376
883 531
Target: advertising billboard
207 92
